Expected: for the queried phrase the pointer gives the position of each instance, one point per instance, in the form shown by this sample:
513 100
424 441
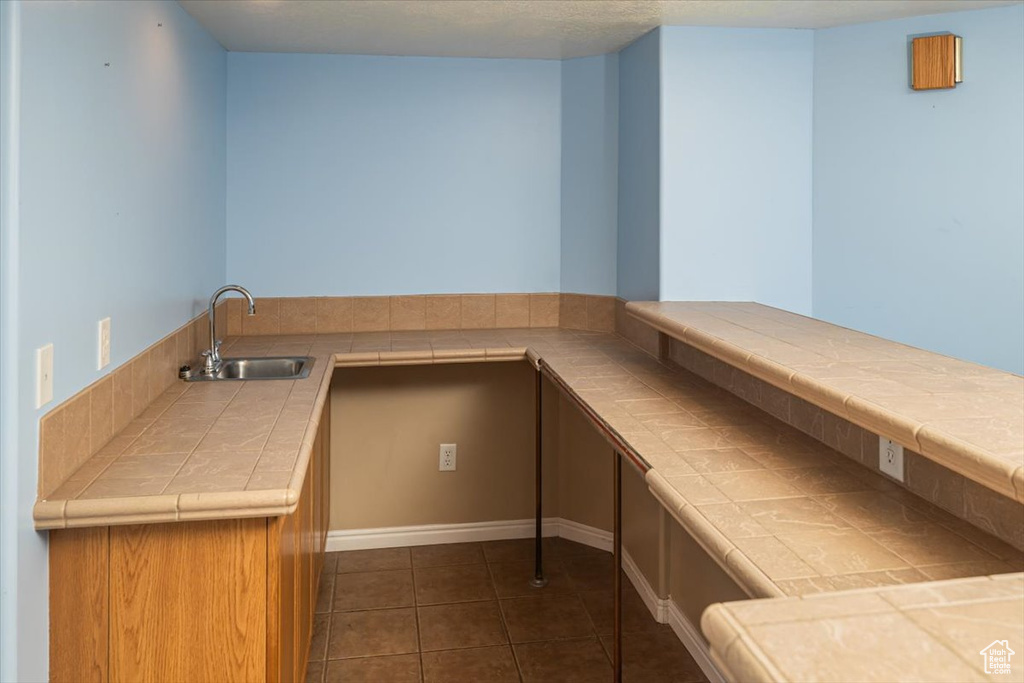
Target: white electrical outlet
890 458
103 344
44 375
447 459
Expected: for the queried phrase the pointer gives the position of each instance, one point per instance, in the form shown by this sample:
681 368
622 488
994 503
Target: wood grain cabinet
221 600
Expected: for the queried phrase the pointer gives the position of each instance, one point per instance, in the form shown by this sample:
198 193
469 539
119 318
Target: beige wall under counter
390 422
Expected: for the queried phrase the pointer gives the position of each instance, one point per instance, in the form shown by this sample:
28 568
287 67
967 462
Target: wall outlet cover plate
890 458
103 344
446 458
44 375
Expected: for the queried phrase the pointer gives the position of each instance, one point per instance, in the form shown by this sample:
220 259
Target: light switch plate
103 344
44 375
890 458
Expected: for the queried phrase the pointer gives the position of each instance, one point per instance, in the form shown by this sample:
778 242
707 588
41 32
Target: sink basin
290 367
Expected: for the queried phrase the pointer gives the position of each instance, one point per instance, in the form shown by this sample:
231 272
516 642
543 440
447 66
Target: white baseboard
694 642
663 610
433 534
657 606
586 535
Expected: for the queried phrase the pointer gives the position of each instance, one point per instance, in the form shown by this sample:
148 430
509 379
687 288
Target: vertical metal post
617 553
538 580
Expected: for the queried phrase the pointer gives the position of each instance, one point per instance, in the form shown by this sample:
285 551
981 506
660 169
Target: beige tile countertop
213 450
960 630
780 511
964 416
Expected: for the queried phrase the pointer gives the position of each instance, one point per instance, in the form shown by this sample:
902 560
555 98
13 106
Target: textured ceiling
540 29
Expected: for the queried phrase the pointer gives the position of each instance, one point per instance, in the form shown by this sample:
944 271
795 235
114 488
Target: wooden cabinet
220 600
296 544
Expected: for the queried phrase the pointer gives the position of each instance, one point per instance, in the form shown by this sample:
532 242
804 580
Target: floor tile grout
504 622
565 558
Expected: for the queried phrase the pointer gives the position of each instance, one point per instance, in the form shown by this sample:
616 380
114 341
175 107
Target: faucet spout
212 362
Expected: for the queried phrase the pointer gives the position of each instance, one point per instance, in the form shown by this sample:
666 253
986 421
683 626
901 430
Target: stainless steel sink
289 367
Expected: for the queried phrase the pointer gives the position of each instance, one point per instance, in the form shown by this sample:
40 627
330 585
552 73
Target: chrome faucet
212 355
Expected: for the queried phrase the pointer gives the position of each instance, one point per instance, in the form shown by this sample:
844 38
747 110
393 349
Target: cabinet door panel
316 472
325 468
296 552
188 601
79 560
283 555
306 601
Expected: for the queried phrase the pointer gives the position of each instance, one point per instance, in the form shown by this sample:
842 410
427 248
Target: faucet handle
217 343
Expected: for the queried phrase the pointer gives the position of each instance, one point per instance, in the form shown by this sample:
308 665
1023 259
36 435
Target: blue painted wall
119 210
590 130
640 123
393 175
736 165
10 455
918 200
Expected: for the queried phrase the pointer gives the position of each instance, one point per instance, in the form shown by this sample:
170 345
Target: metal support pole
617 552
538 580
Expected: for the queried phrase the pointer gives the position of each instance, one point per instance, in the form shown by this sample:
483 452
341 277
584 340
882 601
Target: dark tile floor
466 613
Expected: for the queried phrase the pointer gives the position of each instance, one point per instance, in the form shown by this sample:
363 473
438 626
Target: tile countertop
924 632
966 417
781 512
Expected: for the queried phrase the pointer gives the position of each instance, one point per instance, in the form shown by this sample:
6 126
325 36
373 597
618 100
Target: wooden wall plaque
935 62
